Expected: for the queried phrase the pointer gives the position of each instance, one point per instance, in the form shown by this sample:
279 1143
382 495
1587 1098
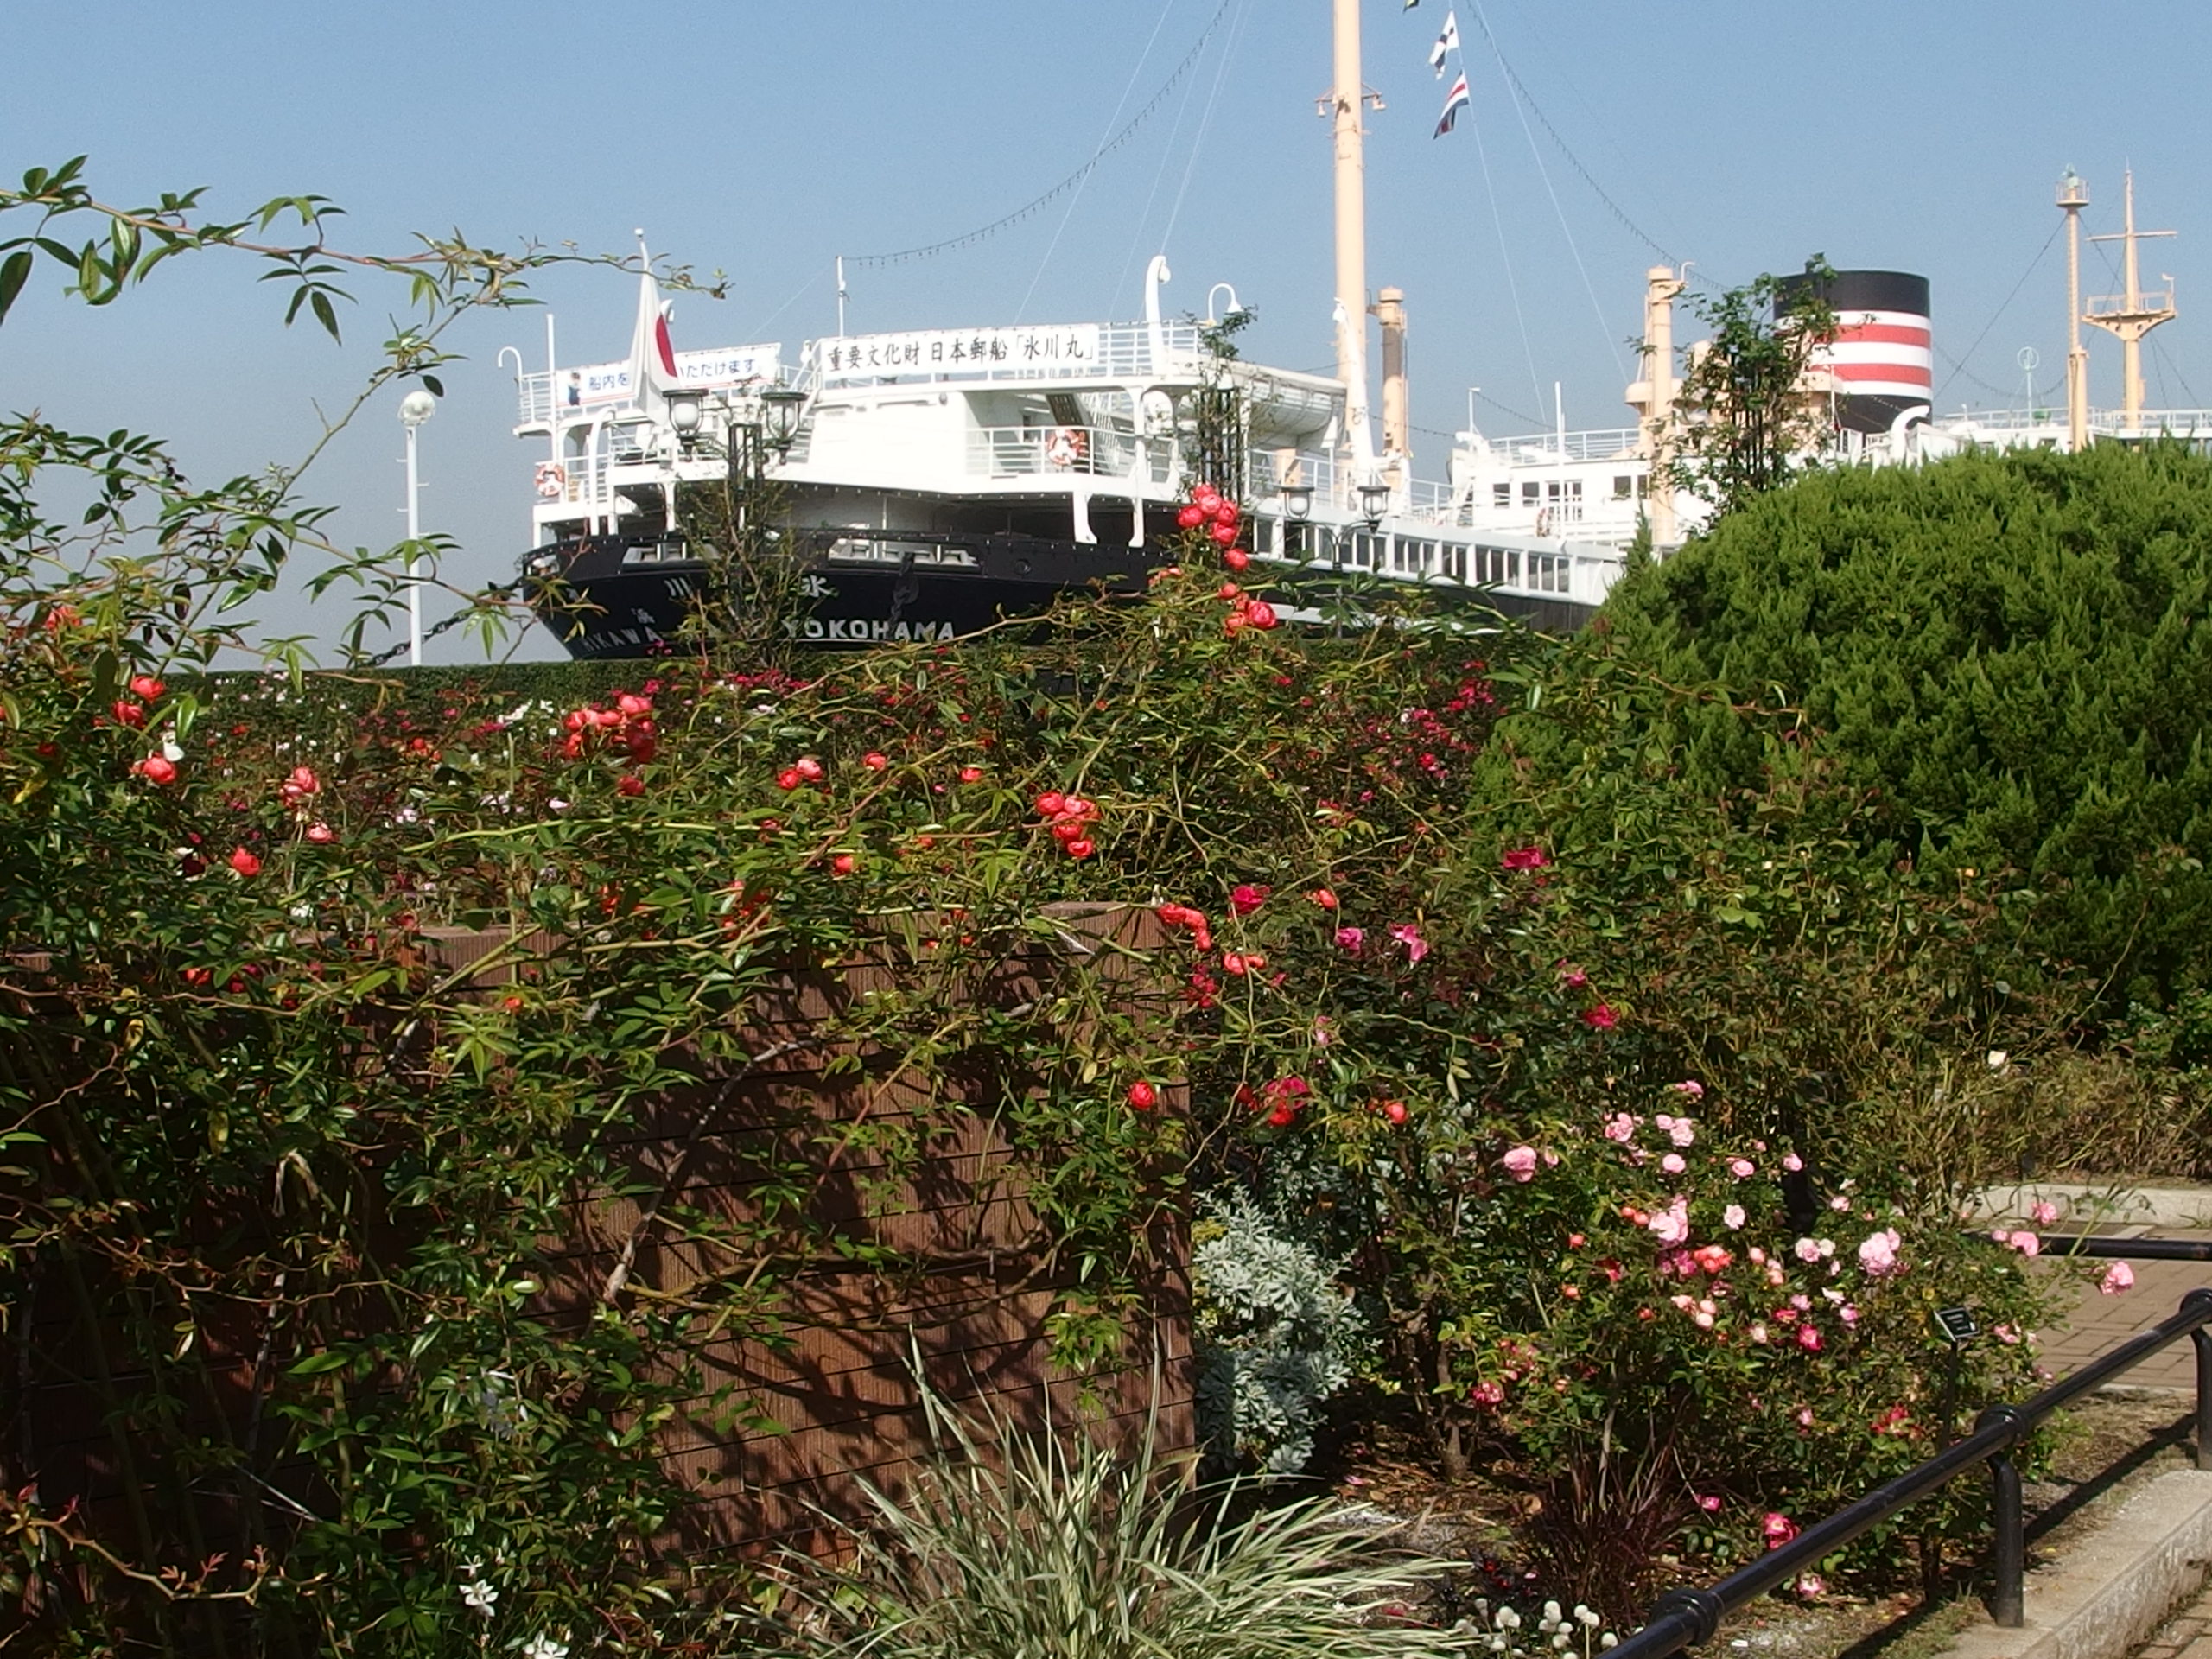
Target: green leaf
316 1364
15 271
324 314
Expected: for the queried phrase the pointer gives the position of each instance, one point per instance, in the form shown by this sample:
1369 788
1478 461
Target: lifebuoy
552 479
1066 445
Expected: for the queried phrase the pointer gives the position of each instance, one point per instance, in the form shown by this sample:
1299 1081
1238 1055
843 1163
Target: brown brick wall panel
974 1301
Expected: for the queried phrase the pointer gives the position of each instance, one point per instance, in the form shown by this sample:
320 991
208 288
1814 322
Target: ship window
1500 495
1264 535
1641 484
1531 492
1623 484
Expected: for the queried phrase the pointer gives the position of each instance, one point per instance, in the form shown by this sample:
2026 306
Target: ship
928 483
924 485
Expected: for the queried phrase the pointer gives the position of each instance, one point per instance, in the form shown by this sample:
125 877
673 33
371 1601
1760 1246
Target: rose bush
1449 939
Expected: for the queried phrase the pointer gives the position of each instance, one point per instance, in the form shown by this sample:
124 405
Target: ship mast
2133 315
1345 98
2073 197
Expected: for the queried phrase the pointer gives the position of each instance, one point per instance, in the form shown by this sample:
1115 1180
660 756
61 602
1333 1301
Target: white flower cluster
1556 1632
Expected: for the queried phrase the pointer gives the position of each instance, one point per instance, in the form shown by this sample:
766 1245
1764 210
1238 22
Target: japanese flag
652 358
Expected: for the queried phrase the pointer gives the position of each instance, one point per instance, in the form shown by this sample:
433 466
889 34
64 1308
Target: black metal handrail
1684 1617
2136 1249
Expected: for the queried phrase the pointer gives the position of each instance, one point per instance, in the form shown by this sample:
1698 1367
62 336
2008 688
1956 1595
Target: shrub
2004 652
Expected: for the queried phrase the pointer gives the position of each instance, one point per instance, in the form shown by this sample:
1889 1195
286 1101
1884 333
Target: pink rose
2025 1242
1777 1528
1682 1133
1621 1127
1808 1338
2043 1212
1758 1333
1806 1250
1487 1393
1524 858
1708 1503
1351 938
1732 1217
1601 1018
1694 1090
1408 934
1673 1164
2118 1277
1520 1163
1742 1168
1672 1225
1877 1253
1792 1162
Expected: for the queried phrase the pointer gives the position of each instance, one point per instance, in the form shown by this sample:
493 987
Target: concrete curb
2113 1591
2099 1207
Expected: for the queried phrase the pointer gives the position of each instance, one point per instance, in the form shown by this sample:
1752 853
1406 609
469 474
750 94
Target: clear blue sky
765 139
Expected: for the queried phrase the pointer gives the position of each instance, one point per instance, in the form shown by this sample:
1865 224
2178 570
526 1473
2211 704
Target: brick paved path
2186 1635
2093 1323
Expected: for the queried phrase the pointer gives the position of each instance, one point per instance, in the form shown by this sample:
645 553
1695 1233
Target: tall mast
2133 315
1344 99
2073 197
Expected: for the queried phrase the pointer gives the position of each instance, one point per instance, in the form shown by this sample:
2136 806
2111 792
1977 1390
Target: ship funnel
1397 415
1881 361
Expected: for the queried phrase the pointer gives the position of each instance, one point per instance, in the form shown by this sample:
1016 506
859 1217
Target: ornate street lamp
780 408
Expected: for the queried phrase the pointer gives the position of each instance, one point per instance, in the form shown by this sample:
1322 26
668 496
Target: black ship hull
618 596
624 596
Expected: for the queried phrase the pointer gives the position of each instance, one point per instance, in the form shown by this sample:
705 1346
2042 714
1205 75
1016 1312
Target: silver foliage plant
1276 1334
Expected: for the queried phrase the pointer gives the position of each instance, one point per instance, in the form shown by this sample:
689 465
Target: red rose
128 713
1226 513
630 784
1190 518
321 833
146 686
1050 805
1224 535
788 778
971 774
1081 846
244 862
1244 897
1236 558
1395 1111
1143 1095
157 769
1261 614
873 761
809 768
843 864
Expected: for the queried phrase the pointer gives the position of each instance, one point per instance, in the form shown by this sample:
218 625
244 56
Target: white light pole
416 407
